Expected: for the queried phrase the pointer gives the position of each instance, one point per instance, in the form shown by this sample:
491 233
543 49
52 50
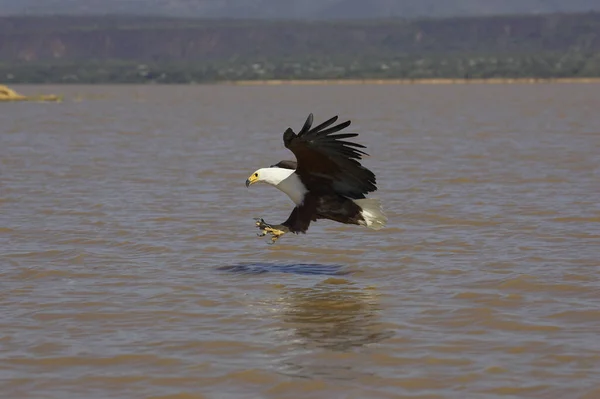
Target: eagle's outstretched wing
325 161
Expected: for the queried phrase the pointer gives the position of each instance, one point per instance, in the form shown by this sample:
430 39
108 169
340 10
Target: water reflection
319 323
335 316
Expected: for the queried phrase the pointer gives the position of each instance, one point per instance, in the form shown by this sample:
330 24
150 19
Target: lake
130 266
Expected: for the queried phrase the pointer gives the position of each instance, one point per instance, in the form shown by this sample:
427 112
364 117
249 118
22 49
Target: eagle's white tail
371 211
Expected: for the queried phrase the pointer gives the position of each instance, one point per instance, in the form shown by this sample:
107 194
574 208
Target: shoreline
324 82
436 81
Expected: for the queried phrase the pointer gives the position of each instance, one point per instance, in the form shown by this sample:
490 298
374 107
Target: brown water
130 265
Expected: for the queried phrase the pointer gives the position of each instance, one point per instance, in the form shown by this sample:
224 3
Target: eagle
326 181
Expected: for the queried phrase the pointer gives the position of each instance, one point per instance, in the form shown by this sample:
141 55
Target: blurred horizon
287 9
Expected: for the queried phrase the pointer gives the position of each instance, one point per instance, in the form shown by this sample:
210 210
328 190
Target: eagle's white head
283 179
272 176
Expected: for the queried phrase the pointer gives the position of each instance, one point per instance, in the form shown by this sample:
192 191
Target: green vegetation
162 50
475 67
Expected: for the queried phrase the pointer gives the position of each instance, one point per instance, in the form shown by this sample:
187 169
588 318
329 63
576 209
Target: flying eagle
326 181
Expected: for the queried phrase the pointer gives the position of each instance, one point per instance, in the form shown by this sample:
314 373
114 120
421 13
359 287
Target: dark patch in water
295 268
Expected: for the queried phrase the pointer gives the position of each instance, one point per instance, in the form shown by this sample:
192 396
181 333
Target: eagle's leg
276 231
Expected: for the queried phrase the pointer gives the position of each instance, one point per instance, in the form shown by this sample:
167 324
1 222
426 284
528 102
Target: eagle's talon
266 228
261 224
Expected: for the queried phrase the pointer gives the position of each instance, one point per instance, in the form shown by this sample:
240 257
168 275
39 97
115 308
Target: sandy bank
7 94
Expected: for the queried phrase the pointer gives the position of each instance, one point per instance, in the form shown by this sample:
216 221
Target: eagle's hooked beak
252 179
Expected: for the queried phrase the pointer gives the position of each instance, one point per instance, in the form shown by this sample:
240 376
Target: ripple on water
294 268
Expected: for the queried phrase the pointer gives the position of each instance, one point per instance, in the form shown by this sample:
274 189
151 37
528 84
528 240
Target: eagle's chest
294 188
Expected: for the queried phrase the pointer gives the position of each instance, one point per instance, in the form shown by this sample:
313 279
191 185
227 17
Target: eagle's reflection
337 316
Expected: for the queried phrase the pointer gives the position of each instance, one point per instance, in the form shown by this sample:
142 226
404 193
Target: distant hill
304 9
178 50
161 39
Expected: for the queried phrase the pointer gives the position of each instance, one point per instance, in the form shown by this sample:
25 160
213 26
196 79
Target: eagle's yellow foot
269 229
275 233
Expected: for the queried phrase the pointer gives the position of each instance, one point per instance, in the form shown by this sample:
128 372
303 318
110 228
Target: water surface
130 265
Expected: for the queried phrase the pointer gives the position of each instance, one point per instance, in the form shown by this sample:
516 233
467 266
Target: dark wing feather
326 161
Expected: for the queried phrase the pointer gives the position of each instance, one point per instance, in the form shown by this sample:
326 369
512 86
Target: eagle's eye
256 175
